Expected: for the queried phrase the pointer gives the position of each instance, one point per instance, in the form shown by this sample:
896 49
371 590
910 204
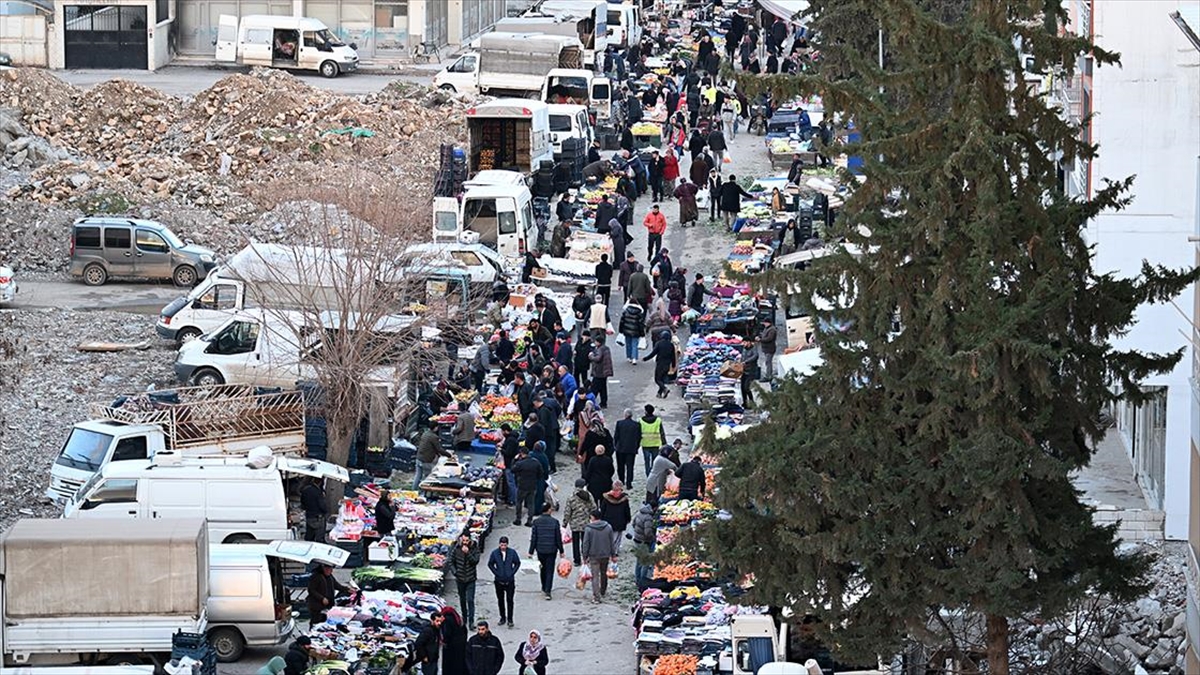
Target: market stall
373 635
710 370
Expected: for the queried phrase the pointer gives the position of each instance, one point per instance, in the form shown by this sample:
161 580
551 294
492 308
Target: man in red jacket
656 225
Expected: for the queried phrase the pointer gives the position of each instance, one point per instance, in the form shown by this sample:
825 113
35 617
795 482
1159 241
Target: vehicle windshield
173 308
88 486
84 450
171 238
445 221
614 17
329 38
560 123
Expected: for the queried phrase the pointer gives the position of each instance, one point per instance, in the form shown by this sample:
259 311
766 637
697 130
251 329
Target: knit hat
579 482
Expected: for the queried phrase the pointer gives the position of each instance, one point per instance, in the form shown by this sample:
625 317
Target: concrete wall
24 38
1145 124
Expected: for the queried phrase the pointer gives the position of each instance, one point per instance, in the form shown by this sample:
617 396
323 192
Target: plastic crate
182 640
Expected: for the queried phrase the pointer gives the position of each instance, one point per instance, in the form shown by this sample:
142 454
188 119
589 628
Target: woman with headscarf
597 434
689 212
587 413
454 643
532 656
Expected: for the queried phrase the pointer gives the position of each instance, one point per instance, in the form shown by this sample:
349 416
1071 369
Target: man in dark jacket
322 590
312 500
641 289
546 408
524 394
583 351
605 211
696 144
545 540
627 439
655 169
594 152
716 143
428 645
464 558
691 479
509 450
604 272
297 656
602 369
697 292
565 355
581 306
698 171
627 268
485 654
663 354
504 563
767 343
528 473
731 199
385 515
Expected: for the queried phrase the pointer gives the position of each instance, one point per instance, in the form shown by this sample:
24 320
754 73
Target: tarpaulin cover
786 9
104 567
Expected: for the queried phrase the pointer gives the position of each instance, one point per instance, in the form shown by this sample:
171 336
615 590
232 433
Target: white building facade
1145 122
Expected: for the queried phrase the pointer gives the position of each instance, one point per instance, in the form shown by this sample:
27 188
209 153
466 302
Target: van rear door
313 467
227 36
447 219
308 552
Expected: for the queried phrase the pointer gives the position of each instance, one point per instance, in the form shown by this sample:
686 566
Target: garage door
105 37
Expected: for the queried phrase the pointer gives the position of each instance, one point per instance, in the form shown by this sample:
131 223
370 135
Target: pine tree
927 470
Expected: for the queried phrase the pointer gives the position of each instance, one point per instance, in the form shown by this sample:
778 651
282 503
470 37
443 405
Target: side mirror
354 46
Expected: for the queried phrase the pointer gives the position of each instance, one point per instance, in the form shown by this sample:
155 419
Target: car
6 62
8 285
104 247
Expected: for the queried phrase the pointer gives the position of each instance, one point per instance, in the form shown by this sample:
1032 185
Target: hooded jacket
598 472
597 540
579 509
614 510
633 321
463 565
644 530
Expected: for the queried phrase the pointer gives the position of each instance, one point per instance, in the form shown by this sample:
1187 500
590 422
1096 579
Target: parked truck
511 134
510 64
586 20
193 421
85 593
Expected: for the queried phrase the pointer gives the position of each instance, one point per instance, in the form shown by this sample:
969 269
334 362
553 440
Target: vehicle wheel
448 87
125 660
95 275
185 276
207 377
186 334
534 95
329 69
228 643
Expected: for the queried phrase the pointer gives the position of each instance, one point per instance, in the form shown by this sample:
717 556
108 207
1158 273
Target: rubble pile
236 150
49 384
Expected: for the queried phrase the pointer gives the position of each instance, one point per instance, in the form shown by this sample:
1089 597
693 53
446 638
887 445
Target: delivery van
248 604
292 42
624 24
240 501
569 121
497 216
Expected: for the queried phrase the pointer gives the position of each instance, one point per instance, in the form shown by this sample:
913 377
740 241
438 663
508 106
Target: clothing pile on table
686 620
711 369
378 630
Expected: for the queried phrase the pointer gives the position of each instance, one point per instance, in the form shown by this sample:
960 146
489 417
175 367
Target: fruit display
676 664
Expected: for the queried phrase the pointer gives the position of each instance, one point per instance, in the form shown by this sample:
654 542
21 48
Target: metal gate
105 37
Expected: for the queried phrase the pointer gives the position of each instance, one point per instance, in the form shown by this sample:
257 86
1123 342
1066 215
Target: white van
240 502
624 25
248 605
293 42
499 216
569 121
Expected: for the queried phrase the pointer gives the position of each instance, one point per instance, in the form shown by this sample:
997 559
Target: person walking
670 169
427 648
597 318
627 438
689 211
660 470
481 363
322 592
641 289
598 472
510 449
616 232
714 193
614 510
582 356
581 307
655 169
531 656
576 515
485 654
547 409
545 541
464 558
454 643
656 226
604 274
528 474
625 270
539 453
504 563
663 354
312 500
602 369
718 145
767 343
598 550
652 436
691 479
632 326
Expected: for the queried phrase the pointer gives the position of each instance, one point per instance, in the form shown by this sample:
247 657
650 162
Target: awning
786 9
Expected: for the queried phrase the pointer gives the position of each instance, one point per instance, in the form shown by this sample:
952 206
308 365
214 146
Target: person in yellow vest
653 436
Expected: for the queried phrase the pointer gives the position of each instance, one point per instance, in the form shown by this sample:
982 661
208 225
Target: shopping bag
612 570
566 538
672 484
564 566
585 575
644 343
621 339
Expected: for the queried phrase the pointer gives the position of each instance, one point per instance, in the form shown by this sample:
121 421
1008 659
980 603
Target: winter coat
670 169
656 482
296 660
628 437
598 472
545 536
548 419
698 171
605 211
385 516
731 196
464 427
675 298
539 664
525 399
597 540
633 321
716 141
640 287
656 323
462 565
656 223
626 270
696 144
428 645
655 167
504 567
688 211
617 232
696 296
485 654
604 272
568 384
691 478
528 473
644 530
312 497
614 510
320 589
558 240
598 317
591 439
579 509
580 304
602 362
565 355
663 355
583 353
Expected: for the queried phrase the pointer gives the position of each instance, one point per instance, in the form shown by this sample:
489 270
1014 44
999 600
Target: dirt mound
39 95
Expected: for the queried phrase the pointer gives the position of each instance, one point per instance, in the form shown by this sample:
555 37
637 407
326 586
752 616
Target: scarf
530 652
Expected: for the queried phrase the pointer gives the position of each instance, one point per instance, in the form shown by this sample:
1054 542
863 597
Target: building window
391 26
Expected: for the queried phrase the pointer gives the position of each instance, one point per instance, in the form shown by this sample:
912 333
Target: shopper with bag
545 541
632 327
532 656
660 470
504 563
598 550
577 515
598 472
614 509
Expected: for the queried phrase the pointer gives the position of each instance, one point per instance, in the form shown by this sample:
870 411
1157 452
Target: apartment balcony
1068 91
